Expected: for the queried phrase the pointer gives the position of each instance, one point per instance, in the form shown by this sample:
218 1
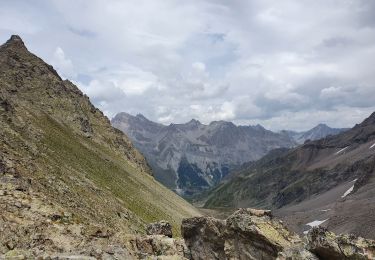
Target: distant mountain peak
318 132
194 122
259 127
222 123
142 117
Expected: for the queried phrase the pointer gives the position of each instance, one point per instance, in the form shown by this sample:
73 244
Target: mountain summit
15 42
318 132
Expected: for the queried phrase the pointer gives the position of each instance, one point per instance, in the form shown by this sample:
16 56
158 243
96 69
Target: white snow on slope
372 146
349 190
343 149
325 210
314 223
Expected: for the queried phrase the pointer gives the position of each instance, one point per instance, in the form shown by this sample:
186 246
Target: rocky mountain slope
328 181
192 157
318 132
68 179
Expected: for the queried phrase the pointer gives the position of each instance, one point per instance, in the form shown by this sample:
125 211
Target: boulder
253 234
246 234
159 228
157 247
327 245
204 236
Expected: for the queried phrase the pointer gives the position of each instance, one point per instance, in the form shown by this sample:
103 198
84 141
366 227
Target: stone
204 237
253 233
159 228
246 234
327 245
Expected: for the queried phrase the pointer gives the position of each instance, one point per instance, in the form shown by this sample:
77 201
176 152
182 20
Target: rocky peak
141 117
322 126
369 121
15 42
194 122
222 124
259 127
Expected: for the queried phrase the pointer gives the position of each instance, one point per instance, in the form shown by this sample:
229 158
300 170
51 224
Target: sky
287 64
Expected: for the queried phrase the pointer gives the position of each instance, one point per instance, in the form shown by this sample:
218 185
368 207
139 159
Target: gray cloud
272 62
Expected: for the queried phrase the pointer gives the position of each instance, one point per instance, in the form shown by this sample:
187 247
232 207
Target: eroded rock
327 245
246 234
204 236
160 228
255 234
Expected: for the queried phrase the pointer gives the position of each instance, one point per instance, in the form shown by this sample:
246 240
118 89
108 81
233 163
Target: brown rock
204 237
327 245
159 228
246 234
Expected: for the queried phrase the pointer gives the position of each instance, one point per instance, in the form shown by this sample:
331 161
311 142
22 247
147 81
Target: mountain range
329 180
192 157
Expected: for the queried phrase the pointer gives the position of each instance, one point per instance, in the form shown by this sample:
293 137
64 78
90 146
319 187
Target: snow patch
343 149
325 210
372 146
314 223
349 190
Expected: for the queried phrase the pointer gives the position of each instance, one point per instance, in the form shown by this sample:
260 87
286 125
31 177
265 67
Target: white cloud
63 64
258 61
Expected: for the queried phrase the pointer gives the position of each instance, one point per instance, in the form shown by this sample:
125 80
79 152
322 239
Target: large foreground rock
255 234
204 236
327 245
247 234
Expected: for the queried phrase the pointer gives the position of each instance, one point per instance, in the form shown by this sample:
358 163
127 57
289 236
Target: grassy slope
99 177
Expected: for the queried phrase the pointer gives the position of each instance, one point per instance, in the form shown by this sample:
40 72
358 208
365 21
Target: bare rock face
254 233
327 245
246 234
159 228
157 247
204 236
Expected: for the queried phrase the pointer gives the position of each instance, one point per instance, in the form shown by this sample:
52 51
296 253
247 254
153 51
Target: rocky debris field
31 227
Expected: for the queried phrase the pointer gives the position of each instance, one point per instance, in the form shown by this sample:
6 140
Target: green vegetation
76 156
53 137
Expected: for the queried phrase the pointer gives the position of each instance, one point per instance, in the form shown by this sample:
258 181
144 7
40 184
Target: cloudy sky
284 64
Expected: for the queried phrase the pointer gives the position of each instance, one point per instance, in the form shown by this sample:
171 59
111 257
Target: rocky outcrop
251 233
204 236
255 234
159 228
157 247
327 245
246 234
